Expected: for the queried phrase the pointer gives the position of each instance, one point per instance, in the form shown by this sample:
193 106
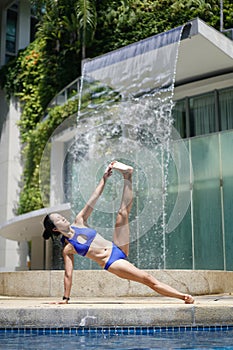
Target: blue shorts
116 254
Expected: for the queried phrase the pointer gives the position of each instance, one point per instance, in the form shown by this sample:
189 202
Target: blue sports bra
88 233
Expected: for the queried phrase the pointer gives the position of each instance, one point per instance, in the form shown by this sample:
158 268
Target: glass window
226 139
226 109
202 115
206 203
179 116
34 22
11 29
204 112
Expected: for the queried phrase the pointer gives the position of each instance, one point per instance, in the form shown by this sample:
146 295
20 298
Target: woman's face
60 222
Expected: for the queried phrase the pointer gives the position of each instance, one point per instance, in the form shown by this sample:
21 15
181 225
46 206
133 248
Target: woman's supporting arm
69 266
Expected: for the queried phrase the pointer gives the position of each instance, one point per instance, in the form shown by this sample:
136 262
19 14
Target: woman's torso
87 242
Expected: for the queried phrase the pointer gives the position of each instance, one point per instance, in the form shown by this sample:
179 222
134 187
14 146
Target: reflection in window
34 22
180 118
11 30
226 109
204 114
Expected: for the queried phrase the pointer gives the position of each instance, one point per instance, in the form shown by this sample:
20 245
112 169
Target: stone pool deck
30 312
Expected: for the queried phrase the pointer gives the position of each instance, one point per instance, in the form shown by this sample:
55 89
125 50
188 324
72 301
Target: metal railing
70 92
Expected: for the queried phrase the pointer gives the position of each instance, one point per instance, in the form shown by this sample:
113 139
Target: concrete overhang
204 52
25 227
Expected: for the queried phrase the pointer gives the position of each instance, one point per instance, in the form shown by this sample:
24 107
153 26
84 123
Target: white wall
10 168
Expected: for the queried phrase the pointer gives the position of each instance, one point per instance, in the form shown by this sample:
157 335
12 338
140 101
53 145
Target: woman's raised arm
84 214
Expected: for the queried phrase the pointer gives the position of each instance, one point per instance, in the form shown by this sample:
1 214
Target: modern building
203 116
16 31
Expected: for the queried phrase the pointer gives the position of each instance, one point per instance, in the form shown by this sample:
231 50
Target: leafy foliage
86 15
30 198
123 22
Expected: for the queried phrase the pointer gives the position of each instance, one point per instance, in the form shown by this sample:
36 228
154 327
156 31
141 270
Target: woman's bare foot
123 168
188 299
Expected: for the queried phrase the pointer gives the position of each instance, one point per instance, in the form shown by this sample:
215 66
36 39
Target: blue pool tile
80 331
66 330
125 331
144 330
116 330
170 329
131 330
28 331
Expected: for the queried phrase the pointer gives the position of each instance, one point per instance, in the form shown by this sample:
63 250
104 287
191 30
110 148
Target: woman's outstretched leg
124 269
121 232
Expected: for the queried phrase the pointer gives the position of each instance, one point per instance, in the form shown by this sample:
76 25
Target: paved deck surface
115 312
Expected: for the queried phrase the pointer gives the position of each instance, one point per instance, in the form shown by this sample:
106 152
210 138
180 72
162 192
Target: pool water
222 339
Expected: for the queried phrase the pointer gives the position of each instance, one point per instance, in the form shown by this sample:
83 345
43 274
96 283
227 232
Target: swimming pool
144 338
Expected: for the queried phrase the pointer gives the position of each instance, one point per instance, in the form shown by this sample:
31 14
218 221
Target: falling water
125 113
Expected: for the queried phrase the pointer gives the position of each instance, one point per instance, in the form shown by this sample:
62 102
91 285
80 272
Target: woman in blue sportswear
78 238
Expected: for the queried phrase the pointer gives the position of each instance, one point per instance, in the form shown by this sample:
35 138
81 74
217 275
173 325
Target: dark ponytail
49 228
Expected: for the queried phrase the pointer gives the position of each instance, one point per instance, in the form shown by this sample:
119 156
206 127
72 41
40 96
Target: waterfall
127 98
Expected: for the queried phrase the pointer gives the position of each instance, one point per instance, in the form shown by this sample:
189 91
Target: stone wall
95 283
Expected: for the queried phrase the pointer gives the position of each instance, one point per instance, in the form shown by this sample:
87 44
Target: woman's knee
149 280
123 213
